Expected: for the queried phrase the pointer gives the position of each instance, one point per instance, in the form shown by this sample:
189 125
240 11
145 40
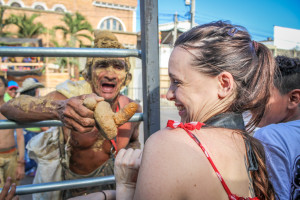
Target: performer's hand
5 193
20 171
75 115
127 166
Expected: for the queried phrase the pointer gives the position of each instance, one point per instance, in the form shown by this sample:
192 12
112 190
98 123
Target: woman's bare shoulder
165 137
171 152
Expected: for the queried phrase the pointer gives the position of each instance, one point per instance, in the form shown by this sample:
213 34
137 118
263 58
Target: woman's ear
294 99
226 83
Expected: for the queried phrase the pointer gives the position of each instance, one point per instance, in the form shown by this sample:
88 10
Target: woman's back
184 172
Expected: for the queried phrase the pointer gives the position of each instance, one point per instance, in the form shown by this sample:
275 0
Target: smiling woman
217 72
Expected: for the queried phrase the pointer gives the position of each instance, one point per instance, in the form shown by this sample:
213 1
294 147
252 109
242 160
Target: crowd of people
15 162
217 73
5 66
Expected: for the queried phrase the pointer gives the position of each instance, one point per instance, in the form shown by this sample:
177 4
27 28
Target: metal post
193 2
150 62
175 28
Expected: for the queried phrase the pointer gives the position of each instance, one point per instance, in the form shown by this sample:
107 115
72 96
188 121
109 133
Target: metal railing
63 185
7 124
68 52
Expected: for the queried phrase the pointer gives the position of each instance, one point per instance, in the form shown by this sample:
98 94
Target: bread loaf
108 121
125 113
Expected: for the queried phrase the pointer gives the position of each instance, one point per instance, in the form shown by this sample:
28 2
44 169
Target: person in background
8 191
280 132
12 60
30 86
12 162
11 91
75 148
27 60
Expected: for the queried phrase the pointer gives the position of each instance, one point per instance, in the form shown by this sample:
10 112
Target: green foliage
74 25
63 62
26 26
3 23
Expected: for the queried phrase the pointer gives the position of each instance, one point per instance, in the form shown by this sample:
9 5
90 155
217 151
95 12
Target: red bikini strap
197 125
230 195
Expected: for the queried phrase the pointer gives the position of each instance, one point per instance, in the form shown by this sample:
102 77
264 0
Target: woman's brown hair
220 46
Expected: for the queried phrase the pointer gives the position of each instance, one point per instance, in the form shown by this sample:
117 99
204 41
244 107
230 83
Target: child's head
285 94
289 77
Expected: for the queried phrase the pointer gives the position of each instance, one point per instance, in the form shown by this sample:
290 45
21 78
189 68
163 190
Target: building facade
119 16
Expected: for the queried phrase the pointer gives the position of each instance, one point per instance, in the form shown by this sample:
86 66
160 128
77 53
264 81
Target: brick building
118 16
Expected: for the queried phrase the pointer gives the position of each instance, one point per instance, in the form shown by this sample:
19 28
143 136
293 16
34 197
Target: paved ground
166 113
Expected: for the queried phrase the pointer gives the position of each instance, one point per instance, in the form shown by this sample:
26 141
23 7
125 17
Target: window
111 24
39 7
15 4
114 24
58 9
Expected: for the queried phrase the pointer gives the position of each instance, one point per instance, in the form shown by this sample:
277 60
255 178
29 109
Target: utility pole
175 28
193 2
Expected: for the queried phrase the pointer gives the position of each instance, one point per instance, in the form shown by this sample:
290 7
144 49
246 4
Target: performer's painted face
109 75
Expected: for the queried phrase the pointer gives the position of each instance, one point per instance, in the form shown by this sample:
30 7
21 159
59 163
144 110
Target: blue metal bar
68 52
64 185
150 61
7 124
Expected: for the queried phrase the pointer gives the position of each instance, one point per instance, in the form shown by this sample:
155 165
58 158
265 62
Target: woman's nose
171 94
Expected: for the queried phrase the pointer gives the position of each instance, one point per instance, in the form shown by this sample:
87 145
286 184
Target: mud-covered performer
82 153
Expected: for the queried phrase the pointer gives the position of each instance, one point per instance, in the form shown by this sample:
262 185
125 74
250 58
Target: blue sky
258 16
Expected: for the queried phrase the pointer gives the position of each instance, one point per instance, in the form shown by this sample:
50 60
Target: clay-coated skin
86 154
89 151
109 77
106 77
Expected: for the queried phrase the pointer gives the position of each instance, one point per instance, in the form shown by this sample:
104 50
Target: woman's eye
175 82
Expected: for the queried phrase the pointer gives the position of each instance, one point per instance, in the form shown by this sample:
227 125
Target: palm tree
74 25
63 62
3 23
26 25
